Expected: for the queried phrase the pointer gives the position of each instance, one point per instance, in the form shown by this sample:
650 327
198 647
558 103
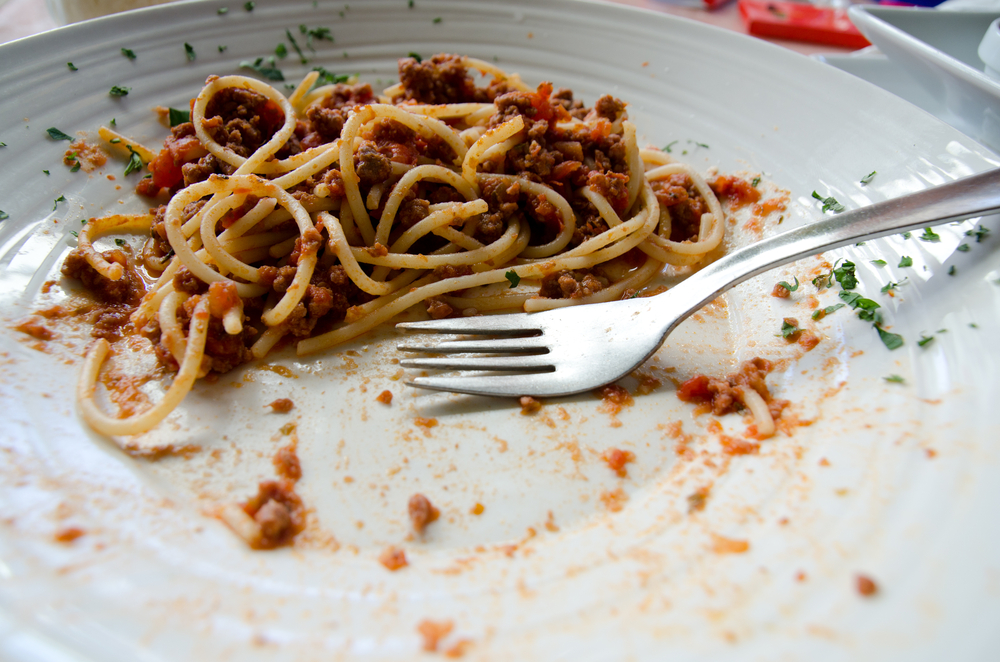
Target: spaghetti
315 218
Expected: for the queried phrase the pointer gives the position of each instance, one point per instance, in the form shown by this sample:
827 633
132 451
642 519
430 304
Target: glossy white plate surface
938 49
896 482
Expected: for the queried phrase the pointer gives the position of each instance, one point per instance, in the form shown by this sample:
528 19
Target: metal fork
580 348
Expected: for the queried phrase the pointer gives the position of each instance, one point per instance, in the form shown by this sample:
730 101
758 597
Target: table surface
23 18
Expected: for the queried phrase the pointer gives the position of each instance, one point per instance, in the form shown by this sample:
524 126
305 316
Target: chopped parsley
75 167
979 233
698 144
266 69
890 286
134 161
867 179
905 261
248 6
113 122
222 10
437 19
315 33
668 147
61 198
866 307
788 329
925 340
115 141
415 56
46 172
4 215
895 379
973 325
755 181
222 49
823 312
330 77
952 270
962 248
829 204
119 241
879 263
890 340
929 235
281 50
178 116
119 90
513 278
410 4
129 53
845 275
907 235
72 67
56 134
788 287
189 51
295 45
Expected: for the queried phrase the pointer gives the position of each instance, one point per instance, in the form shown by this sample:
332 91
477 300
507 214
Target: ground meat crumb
529 405
616 460
733 446
808 340
433 632
422 512
278 511
393 558
286 463
385 397
281 406
697 499
781 291
68 534
438 309
725 395
866 586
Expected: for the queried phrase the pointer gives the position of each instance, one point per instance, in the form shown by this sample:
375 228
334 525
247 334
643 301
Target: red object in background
800 22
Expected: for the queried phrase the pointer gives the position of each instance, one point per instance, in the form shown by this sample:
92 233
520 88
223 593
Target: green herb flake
437 19
890 340
119 91
265 69
513 278
668 148
129 53
829 204
113 122
248 6
46 172
867 179
56 134
330 77
962 248
61 198
952 270
973 325
845 275
410 4
189 51
72 67
119 241
75 167
788 329
134 161
906 261
295 45
979 233
879 263
4 215
415 56
929 235
3 144
754 182
907 235
222 10
790 288
321 33
823 312
222 49
925 340
890 286
281 50
894 379
178 116
115 141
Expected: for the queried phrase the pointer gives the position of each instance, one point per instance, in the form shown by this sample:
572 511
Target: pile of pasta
360 229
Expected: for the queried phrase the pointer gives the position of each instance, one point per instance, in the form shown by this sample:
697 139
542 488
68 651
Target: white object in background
989 50
938 48
65 12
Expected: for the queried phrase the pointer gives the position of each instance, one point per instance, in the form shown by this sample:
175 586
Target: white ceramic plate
938 49
567 561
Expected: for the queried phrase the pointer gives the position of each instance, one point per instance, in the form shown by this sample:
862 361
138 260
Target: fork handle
965 198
